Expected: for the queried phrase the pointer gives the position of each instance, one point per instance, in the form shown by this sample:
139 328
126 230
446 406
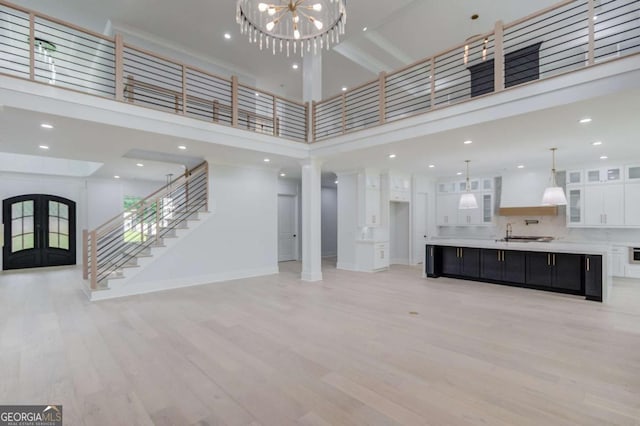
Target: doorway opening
39 231
399 237
287 228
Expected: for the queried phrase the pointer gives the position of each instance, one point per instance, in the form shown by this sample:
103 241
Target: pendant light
554 194
468 200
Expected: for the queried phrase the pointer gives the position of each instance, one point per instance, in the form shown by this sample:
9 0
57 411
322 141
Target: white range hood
522 194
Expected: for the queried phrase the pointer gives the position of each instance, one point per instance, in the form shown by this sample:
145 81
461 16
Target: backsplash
547 226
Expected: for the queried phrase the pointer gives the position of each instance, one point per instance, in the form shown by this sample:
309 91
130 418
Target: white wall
329 222
238 240
347 221
399 218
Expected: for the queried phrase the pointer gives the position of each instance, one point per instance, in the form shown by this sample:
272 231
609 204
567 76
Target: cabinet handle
431 251
554 260
588 264
461 252
548 259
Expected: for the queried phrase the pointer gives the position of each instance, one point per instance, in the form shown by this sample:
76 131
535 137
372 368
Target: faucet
509 231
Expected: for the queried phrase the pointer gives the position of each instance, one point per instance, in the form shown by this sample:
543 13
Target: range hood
522 193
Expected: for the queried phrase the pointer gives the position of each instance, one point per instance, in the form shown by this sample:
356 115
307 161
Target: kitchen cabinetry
575 177
432 261
632 173
632 204
372 256
593 277
399 187
604 175
572 273
618 261
447 209
604 205
560 271
461 262
575 206
503 265
369 199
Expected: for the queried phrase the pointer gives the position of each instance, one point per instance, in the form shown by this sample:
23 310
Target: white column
312 78
311 220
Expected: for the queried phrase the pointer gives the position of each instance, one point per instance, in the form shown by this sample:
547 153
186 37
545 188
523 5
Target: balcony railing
564 38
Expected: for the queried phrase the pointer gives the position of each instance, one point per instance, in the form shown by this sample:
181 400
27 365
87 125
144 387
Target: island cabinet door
491 264
567 272
514 270
470 265
593 277
432 261
451 260
538 269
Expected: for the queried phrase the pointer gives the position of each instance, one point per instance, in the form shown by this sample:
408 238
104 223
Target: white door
287 234
420 226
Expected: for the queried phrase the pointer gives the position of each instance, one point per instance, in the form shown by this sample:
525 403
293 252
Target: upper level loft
565 38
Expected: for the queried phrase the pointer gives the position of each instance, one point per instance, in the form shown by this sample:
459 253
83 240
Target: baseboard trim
347 267
132 288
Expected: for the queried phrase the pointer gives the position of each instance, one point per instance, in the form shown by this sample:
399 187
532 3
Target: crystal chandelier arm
276 20
311 19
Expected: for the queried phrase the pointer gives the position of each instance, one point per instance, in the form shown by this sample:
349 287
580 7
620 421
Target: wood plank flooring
347 351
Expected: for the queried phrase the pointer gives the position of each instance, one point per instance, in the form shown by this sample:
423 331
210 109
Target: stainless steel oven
634 254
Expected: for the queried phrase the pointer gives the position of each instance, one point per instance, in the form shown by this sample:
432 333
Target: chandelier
292 26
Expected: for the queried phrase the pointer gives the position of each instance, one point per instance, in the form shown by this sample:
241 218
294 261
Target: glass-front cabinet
605 174
575 207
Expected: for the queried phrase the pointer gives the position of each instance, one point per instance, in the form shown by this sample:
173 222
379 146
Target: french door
39 230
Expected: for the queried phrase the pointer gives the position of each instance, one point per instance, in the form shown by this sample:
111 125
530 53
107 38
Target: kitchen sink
527 239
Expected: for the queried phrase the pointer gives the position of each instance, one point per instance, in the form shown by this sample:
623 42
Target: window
22 229
58 225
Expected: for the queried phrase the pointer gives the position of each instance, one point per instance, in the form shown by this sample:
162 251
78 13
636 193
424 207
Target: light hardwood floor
357 349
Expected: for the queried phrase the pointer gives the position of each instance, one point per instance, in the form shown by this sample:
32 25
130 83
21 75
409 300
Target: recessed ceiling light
459 173
139 164
603 157
283 174
597 143
364 29
392 156
182 147
336 182
116 177
586 120
46 126
266 160
257 94
521 166
468 142
344 88
431 166
43 147
227 36
295 66
595 17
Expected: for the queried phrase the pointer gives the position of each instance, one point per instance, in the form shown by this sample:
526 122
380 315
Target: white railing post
119 61
234 101
382 82
592 35
32 46
85 254
498 56
94 260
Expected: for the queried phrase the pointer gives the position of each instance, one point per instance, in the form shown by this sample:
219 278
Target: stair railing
118 242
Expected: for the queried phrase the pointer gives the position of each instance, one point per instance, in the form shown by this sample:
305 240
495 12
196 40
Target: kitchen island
559 266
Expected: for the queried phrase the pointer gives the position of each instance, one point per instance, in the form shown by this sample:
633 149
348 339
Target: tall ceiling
398 32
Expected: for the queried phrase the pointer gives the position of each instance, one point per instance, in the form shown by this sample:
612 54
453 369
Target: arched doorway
39 230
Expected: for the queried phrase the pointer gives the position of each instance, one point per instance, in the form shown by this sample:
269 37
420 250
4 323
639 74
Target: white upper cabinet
575 206
575 177
604 205
369 198
632 173
448 199
399 187
604 175
632 204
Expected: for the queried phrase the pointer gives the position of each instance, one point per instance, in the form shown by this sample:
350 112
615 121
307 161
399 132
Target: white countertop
559 246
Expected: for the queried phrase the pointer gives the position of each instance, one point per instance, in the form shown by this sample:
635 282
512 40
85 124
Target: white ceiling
399 32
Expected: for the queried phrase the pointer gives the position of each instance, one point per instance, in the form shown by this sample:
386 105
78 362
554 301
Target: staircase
120 248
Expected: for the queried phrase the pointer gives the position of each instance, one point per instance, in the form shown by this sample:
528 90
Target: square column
311 220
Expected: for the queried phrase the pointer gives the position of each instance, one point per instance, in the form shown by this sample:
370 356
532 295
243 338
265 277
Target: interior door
287 238
420 226
39 230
